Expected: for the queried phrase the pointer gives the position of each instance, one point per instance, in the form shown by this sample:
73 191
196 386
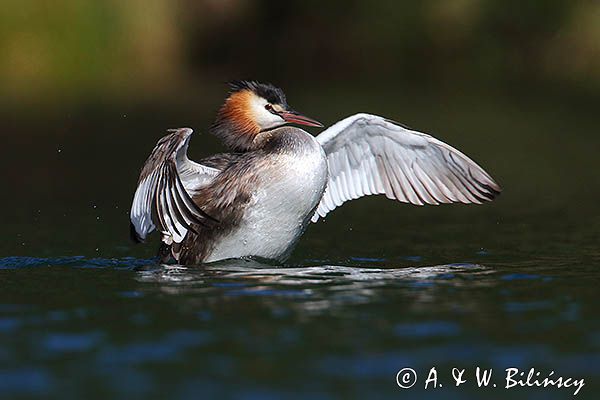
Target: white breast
281 206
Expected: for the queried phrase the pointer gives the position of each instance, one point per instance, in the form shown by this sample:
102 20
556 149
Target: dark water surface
377 287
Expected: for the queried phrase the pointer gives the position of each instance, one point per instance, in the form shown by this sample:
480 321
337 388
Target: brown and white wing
162 200
367 154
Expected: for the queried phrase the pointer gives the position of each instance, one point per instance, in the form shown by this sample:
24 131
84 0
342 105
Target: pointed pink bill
296 118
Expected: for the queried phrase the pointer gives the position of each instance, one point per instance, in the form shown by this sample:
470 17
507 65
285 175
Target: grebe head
250 109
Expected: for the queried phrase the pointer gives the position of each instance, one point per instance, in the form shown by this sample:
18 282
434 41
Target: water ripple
73 261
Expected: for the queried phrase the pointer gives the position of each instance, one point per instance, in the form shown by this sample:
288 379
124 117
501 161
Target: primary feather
368 154
166 181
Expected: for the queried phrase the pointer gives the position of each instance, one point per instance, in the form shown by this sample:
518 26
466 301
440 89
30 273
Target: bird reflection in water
311 288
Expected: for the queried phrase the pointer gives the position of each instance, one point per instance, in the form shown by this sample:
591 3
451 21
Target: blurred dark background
76 51
86 89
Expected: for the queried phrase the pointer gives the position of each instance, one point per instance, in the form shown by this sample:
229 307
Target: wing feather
162 200
367 154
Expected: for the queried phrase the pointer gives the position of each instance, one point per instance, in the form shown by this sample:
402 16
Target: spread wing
162 199
367 154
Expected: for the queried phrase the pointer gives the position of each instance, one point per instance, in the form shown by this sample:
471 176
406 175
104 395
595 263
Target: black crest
271 93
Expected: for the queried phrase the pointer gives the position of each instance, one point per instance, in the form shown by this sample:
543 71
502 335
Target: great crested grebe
258 199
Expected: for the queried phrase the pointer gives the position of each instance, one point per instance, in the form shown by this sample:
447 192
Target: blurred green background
73 50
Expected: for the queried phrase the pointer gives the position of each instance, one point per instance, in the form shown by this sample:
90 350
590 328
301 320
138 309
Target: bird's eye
269 107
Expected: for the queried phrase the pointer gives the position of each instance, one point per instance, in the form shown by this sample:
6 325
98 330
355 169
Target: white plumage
368 154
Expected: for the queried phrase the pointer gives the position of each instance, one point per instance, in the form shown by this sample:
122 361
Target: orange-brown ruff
244 115
257 199
235 124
